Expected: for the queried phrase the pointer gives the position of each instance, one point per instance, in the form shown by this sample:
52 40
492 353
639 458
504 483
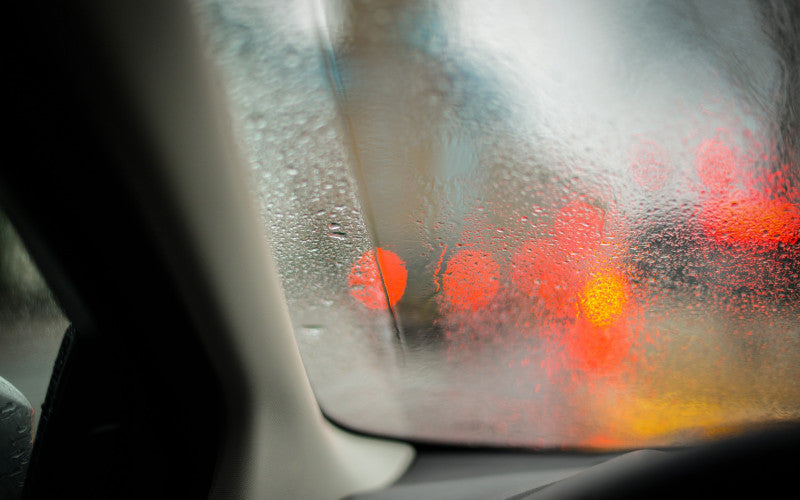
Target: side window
31 323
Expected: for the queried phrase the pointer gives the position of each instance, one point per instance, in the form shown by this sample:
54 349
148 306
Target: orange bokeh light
365 281
604 299
471 280
601 338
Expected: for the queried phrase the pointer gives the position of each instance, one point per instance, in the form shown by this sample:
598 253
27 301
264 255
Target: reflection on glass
529 223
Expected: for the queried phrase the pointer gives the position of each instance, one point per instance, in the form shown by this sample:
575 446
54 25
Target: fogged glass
540 224
31 322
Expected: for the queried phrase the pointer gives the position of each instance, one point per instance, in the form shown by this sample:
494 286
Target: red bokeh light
471 280
540 269
578 228
601 337
365 281
531 267
598 350
758 218
586 301
716 165
649 163
554 269
751 220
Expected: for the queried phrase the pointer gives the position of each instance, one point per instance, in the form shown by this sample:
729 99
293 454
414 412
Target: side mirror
16 439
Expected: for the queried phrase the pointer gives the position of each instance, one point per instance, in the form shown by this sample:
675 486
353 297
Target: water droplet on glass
313 331
291 60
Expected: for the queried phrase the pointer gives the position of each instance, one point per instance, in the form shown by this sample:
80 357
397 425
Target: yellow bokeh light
604 298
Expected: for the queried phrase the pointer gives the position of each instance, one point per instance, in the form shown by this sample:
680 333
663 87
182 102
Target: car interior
183 372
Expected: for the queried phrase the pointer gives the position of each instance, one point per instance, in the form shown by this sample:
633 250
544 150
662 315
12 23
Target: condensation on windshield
530 224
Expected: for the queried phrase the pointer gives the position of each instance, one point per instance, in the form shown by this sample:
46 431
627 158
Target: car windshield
528 224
